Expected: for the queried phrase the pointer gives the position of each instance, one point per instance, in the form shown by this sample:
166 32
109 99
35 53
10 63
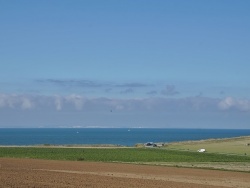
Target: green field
236 146
138 155
225 154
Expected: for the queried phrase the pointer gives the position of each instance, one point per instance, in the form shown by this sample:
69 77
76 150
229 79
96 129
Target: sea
115 136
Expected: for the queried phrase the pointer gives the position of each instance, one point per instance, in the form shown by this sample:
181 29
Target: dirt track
44 173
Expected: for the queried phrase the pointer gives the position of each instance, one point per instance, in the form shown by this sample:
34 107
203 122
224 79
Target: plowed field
47 173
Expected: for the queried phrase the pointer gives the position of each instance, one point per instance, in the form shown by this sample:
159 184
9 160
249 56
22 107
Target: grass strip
117 154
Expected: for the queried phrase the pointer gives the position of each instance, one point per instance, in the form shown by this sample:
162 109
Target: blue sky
134 63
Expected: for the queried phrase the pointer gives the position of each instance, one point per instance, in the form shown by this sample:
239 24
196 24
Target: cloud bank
79 102
81 111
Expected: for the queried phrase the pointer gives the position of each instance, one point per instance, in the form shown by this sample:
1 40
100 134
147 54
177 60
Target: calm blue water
119 136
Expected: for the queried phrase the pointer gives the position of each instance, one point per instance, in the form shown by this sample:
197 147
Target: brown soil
46 173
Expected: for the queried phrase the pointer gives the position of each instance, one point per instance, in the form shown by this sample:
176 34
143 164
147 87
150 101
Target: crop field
226 154
117 155
236 146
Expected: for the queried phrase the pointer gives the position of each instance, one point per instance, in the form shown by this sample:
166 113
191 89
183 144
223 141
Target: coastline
110 136
244 139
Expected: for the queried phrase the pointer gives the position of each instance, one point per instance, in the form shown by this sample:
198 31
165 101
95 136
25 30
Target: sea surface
117 136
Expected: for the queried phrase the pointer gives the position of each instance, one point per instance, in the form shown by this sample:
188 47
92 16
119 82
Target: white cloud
231 103
26 103
8 100
2 100
244 105
63 102
58 103
226 103
76 100
16 101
